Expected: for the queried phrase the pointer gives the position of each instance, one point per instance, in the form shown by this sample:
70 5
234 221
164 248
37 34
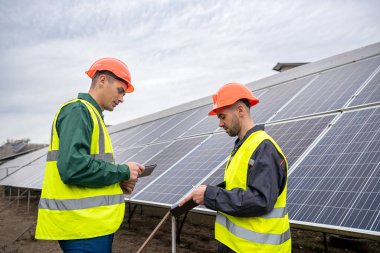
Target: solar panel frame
160 192
314 184
334 87
276 96
370 92
165 159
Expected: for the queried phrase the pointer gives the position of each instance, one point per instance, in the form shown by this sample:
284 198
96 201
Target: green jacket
75 165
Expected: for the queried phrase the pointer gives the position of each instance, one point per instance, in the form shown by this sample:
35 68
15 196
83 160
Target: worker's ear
240 109
102 80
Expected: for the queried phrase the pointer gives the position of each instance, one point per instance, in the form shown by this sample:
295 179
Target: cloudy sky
177 51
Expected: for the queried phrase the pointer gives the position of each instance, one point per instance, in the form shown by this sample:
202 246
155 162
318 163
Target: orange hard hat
117 67
229 93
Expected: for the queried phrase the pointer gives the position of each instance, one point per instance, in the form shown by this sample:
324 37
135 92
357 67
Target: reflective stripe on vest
249 235
107 157
77 204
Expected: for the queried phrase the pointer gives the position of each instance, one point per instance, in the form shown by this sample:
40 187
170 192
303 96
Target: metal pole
10 193
325 243
154 232
28 200
18 196
174 234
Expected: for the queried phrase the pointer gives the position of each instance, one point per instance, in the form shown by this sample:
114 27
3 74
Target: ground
17 233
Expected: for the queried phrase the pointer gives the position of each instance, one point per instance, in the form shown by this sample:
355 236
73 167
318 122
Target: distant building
14 148
282 66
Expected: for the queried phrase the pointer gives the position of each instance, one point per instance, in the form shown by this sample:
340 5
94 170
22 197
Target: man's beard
234 129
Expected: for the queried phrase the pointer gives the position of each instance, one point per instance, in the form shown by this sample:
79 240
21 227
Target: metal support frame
180 226
174 232
28 201
325 242
130 213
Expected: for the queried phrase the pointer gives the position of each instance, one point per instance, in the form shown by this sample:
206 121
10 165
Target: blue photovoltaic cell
181 125
124 155
129 136
217 177
272 100
179 180
296 136
180 129
206 124
331 90
338 182
370 93
25 159
146 153
171 122
172 153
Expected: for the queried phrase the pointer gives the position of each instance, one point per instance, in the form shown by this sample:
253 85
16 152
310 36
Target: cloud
177 51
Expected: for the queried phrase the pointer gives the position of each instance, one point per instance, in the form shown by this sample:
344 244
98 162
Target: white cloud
181 49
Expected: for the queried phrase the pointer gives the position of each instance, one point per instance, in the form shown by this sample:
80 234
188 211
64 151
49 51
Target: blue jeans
101 244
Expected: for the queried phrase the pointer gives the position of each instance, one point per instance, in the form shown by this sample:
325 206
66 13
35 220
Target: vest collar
256 128
88 98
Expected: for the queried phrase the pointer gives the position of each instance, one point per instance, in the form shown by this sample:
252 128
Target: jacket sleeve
265 181
75 164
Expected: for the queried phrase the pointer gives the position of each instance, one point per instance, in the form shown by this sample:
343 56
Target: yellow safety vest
68 212
268 233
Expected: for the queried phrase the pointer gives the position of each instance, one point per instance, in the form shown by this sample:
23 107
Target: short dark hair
107 73
246 102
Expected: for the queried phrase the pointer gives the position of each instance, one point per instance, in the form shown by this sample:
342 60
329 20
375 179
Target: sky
177 51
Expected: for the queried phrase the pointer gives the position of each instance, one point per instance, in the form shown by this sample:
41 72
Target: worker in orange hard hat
251 202
82 202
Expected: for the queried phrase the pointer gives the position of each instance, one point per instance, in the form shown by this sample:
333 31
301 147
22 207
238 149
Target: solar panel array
332 147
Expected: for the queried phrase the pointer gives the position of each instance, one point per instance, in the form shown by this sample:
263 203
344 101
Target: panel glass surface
272 100
160 129
205 124
331 90
296 136
338 182
179 180
30 176
125 155
25 159
131 135
370 93
149 152
179 129
167 158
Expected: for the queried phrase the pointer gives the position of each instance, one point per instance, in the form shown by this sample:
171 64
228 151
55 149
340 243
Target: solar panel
131 135
338 182
331 90
163 128
24 159
124 155
206 124
217 177
146 153
370 93
29 176
191 170
179 129
173 152
296 136
276 97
